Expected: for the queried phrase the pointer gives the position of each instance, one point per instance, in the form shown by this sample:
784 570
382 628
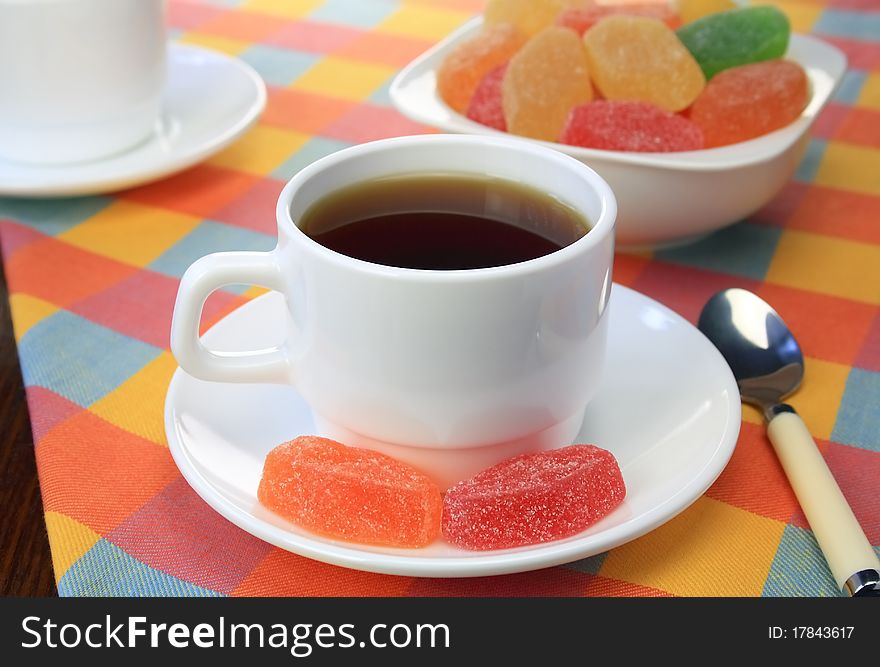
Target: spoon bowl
757 345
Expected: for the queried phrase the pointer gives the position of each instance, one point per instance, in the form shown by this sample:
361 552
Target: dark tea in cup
442 222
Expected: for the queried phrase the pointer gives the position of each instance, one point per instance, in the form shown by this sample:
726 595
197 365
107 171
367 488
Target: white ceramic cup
424 364
79 79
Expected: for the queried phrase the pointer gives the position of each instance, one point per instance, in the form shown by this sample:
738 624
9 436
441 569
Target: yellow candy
640 59
691 10
529 16
544 81
466 65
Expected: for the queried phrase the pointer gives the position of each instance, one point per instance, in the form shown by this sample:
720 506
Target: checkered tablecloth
92 283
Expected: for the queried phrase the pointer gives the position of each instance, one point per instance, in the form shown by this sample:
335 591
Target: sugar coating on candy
350 494
485 106
544 80
533 498
640 59
745 102
581 20
464 67
748 101
630 126
736 37
529 16
691 10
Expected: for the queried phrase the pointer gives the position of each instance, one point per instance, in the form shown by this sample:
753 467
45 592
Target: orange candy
351 494
640 59
543 82
528 16
751 100
581 20
466 65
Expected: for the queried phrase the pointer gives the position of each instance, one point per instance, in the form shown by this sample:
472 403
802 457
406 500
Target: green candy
736 37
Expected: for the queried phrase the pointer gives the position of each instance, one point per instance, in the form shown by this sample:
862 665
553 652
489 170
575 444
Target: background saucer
668 408
209 101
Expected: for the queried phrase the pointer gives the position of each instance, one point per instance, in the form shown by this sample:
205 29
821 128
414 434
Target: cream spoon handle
841 538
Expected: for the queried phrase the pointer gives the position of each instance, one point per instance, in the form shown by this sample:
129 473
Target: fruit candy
529 16
350 494
485 106
581 20
747 101
630 126
691 10
736 37
464 67
640 59
544 81
533 498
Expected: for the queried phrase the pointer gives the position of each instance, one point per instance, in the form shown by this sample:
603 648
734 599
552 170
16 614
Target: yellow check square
827 265
802 15
261 150
69 540
27 311
818 398
232 47
340 77
291 9
850 168
751 414
711 549
110 232
137 405
423 22
869 96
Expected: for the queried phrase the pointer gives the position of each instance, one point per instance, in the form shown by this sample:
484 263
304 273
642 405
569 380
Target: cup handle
200 280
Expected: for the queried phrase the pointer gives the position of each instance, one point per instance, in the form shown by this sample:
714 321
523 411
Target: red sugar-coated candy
582 19
533 498
745 102
350 494
486 106
630 126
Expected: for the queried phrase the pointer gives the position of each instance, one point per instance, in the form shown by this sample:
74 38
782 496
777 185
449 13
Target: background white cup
79 79
426 364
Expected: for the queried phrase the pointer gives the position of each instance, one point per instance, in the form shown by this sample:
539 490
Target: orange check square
246 26
61 273
305 112
628 267
199 191
861 126
395 50
99 474
754 480
838 213
282 574
827 327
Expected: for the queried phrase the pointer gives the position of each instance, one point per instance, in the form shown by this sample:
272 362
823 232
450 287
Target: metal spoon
768 365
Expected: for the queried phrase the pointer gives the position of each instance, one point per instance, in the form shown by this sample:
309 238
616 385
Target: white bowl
662 197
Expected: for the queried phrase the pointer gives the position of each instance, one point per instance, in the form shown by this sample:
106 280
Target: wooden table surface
25 561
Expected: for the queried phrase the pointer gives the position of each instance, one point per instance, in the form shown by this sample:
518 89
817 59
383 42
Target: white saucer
669 410
210 100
